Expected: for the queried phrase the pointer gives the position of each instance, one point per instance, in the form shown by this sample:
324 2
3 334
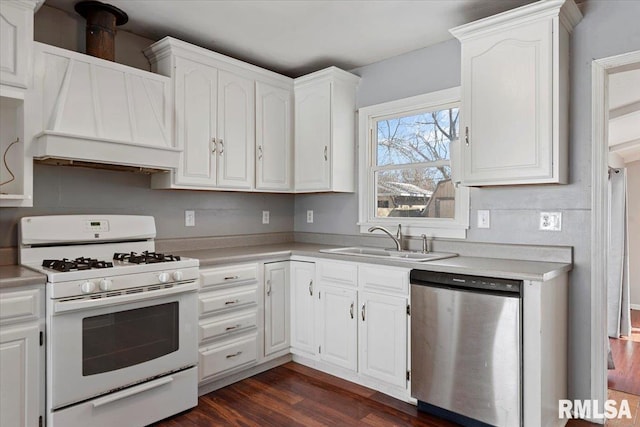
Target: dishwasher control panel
480 283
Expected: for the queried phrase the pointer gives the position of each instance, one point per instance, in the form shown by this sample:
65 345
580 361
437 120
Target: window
407 158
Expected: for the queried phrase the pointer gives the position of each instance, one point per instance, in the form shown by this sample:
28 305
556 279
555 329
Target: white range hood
93 111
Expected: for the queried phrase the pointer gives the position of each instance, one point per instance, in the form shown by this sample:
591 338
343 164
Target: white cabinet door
196 112
19 374
383 337
303 297
273 137
236 131
313 137
276 307
507 100
338 327
16 38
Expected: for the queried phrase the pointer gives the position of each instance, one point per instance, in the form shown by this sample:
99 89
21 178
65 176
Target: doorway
616 151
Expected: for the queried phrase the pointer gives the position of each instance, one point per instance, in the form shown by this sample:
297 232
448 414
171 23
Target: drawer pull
235 301
231 277
351 310
229 356
311 287
230 328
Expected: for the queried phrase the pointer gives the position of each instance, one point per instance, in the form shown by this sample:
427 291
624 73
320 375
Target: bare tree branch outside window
423 140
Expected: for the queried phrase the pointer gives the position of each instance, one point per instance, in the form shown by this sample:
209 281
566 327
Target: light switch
484 219
189 218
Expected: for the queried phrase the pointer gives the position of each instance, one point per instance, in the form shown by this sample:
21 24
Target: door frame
600 71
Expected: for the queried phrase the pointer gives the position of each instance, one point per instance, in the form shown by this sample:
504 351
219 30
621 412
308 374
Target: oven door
97 346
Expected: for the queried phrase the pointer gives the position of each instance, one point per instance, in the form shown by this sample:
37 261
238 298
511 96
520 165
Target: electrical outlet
189 218
309 216
484 219
551 221
265 217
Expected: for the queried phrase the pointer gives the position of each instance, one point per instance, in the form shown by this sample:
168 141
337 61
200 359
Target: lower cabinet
21 358
383 337
303 307
360 320
338 326
276 307
228 325
350 319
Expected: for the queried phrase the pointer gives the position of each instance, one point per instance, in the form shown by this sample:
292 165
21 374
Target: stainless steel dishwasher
466 348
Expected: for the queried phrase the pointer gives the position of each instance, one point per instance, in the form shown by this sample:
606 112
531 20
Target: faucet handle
425 244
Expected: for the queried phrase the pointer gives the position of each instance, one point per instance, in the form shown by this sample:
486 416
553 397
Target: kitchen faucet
396 239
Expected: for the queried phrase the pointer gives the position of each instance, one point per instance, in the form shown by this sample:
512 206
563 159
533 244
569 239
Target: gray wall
70 190
608 28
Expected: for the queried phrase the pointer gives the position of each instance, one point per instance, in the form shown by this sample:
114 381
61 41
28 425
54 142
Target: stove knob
177 276
106 284
163 277
88 287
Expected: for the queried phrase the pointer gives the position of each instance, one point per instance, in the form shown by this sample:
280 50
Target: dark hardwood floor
626 356
294 395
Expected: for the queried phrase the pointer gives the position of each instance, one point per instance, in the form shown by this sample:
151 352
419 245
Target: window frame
433 227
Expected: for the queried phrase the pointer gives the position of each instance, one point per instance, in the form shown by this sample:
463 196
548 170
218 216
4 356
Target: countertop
15 276
490 267
12 276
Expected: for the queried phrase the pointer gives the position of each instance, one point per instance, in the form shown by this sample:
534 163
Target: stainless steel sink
390 254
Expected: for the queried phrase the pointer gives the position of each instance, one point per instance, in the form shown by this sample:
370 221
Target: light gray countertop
12 276
16 276
490 267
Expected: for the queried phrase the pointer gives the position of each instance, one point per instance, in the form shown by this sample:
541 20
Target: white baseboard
635 306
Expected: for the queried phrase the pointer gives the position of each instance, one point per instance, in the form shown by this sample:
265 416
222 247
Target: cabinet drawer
19 306
338 273
210 302
231 354
227 275
383 278
220 326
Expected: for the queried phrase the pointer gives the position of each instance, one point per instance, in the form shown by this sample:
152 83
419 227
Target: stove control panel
117 283
96 225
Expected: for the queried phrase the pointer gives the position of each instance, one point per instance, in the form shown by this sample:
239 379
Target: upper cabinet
325 131
16 39
514 119
232 121
274 137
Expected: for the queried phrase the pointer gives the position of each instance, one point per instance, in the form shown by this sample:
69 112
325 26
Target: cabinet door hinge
319 349
41 338
408 309
408 375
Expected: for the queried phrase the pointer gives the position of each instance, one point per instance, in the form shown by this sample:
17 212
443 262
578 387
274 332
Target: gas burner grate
145 257
81 263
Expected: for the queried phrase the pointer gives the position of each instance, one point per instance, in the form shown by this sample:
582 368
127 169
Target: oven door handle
131 391
85 304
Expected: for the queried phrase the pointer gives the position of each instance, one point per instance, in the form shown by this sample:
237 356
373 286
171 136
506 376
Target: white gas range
121 319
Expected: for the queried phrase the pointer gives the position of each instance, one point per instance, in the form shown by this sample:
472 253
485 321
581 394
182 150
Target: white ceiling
294 37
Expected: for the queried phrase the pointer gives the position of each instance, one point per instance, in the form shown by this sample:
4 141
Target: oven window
126 338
